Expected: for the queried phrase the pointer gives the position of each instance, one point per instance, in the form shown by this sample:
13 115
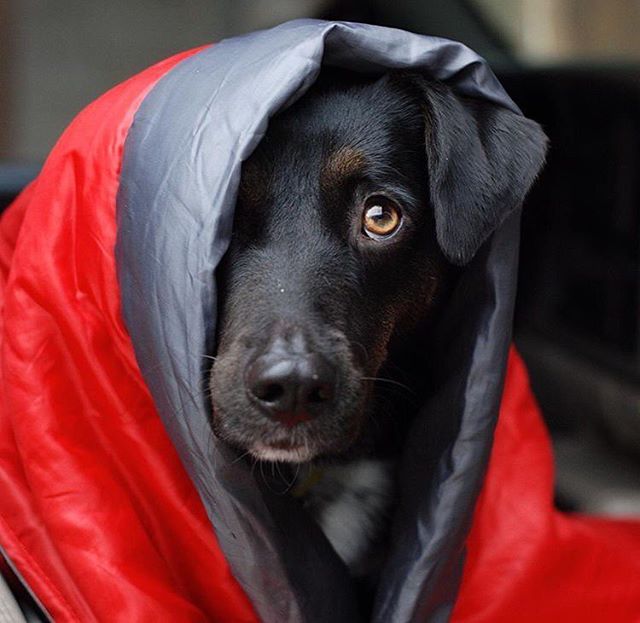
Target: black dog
353 216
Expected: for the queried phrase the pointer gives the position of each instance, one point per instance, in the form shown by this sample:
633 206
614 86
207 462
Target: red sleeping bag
99 518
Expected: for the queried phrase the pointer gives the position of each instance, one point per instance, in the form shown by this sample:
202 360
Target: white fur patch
267 453
352 502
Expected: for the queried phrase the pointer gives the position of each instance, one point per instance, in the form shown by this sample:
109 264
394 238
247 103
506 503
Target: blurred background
573 65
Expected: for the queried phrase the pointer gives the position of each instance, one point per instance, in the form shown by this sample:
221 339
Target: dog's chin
283 448
281 445
275 454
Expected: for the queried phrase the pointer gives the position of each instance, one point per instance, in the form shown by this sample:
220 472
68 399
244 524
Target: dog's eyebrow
341 165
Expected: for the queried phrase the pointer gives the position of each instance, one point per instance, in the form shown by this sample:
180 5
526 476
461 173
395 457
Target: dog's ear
482 160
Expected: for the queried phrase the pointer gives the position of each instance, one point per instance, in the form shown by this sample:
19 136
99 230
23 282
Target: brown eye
381 218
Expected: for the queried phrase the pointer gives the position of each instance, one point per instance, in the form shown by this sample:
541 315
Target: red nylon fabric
528 562
96 512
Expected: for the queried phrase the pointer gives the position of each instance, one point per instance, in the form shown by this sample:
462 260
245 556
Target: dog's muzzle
288 396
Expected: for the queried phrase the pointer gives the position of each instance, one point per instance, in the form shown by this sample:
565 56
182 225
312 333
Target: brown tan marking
253 184
341 165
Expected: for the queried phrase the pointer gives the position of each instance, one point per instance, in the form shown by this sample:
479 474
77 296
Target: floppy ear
482 160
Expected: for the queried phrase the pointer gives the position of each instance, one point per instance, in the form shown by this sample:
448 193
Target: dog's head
348 213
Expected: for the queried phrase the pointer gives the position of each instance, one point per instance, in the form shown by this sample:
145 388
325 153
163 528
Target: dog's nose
291 387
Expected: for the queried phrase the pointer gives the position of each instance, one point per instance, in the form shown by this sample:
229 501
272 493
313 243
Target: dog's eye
381 218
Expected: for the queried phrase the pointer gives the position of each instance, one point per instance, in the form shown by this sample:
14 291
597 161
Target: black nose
290 384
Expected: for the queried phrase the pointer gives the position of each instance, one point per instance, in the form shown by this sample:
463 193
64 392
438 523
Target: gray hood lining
175 206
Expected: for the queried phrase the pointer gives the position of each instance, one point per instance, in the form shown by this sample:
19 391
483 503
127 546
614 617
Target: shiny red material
97 513
527 562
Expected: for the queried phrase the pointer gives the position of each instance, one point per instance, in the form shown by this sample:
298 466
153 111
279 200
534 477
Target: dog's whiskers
394 394
254 462
380 379
295 476
266 480
363 348
239 458
289 483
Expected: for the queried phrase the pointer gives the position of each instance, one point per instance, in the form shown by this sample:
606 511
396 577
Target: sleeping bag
118 503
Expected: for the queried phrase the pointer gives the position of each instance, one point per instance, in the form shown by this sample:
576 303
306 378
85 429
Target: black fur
300 271
482 161
304 289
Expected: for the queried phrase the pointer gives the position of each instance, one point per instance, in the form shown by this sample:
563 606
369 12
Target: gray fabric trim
15 591
9 609
175 209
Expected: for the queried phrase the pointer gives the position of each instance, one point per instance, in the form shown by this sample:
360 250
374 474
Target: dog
355 215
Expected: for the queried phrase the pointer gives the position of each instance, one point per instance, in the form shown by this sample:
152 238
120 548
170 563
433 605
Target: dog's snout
289 382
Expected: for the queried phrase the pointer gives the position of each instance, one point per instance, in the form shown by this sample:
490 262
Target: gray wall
61 54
